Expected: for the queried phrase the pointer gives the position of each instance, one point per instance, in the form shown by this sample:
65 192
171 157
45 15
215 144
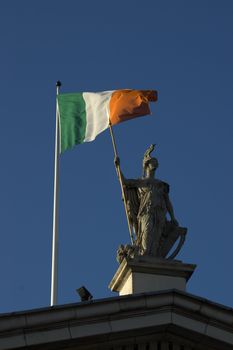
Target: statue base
144 274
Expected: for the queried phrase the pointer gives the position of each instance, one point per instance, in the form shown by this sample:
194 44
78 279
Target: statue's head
149 163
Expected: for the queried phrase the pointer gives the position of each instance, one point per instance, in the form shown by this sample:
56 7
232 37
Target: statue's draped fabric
146 202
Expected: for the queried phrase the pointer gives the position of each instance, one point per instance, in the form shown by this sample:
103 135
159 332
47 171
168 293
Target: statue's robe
146 204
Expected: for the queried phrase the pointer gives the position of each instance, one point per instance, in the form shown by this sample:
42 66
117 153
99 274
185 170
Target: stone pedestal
149 274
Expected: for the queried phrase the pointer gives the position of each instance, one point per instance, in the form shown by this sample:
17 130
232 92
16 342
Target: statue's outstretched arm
127 182
118 168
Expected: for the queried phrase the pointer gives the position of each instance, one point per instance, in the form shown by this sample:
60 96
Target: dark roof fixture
84 294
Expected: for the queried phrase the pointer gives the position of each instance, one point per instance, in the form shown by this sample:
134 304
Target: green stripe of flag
72 109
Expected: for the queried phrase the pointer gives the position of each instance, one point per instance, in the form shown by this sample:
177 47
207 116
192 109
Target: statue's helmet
148 160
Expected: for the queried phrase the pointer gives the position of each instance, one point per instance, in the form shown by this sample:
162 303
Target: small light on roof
84 294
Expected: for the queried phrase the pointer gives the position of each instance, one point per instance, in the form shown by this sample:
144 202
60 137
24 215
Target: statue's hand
117 161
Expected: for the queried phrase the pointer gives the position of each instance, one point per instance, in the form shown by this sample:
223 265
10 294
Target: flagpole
54 272
121 182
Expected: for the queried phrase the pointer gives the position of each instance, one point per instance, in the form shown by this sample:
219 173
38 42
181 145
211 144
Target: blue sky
181 48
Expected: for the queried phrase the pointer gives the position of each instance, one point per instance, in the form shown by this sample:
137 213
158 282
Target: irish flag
85 115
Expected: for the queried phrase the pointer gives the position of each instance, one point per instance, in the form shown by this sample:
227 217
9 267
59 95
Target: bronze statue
148 203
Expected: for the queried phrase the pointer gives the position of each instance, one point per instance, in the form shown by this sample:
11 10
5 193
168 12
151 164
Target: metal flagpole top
58 83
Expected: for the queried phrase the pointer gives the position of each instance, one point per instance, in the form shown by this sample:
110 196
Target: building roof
101 323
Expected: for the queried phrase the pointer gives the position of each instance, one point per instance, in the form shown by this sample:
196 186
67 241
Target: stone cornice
115 315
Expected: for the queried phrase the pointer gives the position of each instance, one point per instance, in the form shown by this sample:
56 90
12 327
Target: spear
121 182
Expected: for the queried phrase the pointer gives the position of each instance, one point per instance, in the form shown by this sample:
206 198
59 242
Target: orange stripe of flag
128 104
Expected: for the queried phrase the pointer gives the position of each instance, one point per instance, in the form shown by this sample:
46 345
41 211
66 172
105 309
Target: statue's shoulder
164 184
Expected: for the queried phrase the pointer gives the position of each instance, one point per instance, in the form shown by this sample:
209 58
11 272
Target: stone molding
112 317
